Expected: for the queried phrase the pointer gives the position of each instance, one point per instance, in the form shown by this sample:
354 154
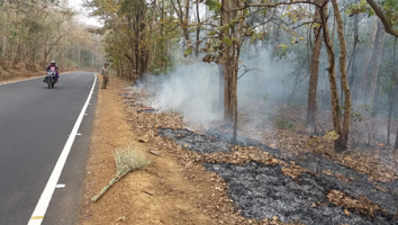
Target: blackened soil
358 184
195 142
262 191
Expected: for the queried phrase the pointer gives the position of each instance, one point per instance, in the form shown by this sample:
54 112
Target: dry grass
127 160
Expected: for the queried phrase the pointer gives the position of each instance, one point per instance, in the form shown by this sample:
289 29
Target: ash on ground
263 191
195 142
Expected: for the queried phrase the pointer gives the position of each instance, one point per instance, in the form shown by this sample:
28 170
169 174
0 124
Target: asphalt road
35 123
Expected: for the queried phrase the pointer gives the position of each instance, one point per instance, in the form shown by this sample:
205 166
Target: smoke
190 90
193 89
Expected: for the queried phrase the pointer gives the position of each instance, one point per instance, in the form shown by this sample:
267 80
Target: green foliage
213 5
391 9
281 50
139 36
228 41
358 8
188 51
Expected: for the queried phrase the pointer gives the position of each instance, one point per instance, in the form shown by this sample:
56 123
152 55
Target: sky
83 17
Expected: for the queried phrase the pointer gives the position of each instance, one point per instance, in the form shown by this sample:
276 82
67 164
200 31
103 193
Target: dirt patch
170 190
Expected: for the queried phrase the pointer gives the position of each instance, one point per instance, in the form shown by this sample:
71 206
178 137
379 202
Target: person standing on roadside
105 75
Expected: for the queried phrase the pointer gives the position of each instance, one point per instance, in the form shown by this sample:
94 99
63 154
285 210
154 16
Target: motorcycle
51 78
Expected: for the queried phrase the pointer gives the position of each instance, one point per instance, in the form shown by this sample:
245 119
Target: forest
339 58
32 33
310 83
252 111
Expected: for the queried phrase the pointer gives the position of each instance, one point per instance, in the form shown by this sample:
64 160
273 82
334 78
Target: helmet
53 62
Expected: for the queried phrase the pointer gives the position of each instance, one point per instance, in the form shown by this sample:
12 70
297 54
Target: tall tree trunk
137 44
220 104
392 93
163 53
332 73
342 142
396 133
314 73
373 78
198 27
341 129
230 59
376 58
396 140
4 47
372 66
352 63
396 90
390 109
227 17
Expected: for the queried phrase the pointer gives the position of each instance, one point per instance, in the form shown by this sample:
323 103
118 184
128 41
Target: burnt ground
264 191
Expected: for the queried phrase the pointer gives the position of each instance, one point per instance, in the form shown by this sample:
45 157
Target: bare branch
386 22
273 5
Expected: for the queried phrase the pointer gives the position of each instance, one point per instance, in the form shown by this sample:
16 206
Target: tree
392 92
33 32
341 125
314 71
386 18
232 22
137 34
183 13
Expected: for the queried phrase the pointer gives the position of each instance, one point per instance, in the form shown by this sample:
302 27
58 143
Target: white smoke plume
192 89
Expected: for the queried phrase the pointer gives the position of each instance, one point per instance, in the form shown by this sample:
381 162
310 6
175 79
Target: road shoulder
168 191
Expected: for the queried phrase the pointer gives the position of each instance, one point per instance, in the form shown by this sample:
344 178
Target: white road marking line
79 134
45 198
60 186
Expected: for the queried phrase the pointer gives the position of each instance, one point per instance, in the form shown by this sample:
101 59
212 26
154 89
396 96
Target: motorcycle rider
53 64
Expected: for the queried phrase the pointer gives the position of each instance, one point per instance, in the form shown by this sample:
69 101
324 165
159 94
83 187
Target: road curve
35 123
